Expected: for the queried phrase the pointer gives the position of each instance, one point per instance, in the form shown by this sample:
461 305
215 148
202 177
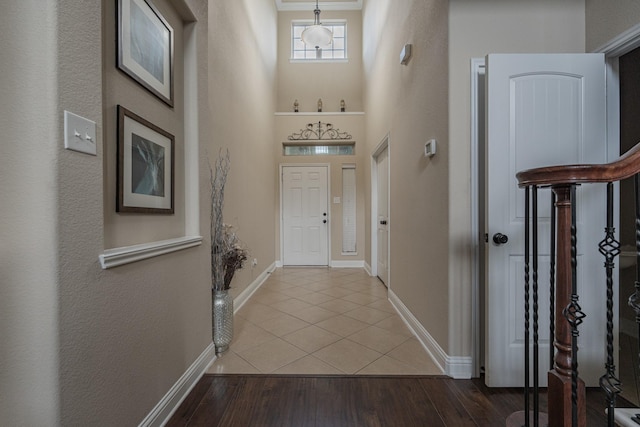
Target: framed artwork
145 47
146 164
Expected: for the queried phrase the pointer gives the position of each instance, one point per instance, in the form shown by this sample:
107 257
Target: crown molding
324 5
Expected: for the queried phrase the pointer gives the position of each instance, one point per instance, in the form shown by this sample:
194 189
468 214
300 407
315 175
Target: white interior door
305 217
541 110
382 178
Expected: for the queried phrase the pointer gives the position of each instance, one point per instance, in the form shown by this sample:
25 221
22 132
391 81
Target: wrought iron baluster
527 225
552 279
573 313
610 248
536 388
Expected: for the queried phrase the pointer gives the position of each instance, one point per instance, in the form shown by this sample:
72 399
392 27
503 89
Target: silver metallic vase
222 306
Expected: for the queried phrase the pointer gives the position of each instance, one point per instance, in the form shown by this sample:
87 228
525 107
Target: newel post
561 411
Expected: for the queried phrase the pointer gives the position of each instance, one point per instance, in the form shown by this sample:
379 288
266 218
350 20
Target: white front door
382 179
305 217
541 110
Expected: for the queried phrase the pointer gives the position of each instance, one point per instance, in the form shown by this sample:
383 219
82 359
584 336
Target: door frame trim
382 145
623 43
281 172
477 67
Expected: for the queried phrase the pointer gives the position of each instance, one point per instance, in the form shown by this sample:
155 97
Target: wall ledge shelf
324 113
127 254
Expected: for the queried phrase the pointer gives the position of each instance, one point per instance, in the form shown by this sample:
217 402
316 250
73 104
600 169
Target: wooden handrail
625 167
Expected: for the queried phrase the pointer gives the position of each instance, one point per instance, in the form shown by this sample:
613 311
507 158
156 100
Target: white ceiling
324 5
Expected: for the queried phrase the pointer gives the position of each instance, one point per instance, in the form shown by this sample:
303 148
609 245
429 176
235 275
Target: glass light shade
317 36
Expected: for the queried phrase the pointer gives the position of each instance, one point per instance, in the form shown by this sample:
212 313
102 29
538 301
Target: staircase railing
566 391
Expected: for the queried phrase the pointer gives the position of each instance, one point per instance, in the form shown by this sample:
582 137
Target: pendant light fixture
316 35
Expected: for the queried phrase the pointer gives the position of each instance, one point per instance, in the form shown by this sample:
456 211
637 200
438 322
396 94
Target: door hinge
486 237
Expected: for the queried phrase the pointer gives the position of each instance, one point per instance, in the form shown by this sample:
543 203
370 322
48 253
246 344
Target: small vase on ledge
222 306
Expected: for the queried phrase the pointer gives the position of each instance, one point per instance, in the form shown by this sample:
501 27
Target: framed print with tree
145 47
146 163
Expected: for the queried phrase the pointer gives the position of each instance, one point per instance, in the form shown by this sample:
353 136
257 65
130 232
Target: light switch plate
79 134
405 55
430 148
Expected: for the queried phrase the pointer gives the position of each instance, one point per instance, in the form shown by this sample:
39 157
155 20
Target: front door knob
500 239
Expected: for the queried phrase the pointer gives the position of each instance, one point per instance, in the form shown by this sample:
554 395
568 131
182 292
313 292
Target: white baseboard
336 264
174 397
459 367
244 296
367 268
180 390
346 264
453 366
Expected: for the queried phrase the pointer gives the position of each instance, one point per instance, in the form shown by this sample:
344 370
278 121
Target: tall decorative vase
222 306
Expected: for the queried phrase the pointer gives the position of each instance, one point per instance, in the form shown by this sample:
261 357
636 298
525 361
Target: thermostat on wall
430 148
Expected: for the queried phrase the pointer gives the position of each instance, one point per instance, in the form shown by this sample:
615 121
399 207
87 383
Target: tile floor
322 321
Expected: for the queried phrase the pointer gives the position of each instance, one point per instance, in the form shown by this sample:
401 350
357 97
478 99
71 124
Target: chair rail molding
127 254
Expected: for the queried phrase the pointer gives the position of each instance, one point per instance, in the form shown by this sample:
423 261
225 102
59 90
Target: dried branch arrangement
218 179
227 252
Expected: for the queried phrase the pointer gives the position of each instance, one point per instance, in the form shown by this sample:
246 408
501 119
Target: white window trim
319 61
328 22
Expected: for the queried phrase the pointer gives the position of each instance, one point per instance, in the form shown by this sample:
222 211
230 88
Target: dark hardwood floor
323 401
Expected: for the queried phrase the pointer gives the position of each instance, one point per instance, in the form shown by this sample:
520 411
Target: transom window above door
336 51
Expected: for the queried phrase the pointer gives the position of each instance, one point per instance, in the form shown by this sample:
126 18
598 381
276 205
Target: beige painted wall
82 345
29 383
126 334
410 103
123 229
477 28
242 79
606 19
354 124
331 81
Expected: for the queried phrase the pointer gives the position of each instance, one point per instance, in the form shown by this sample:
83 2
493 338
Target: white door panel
541 110
305 215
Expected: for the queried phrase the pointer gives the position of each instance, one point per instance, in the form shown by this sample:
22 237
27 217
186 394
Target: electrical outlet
254 262
79 134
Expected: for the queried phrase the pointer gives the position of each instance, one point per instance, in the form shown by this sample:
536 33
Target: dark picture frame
146 166
145 47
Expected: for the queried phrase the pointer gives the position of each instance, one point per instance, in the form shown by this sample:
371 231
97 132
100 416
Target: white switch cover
430 148
79 133
336 200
